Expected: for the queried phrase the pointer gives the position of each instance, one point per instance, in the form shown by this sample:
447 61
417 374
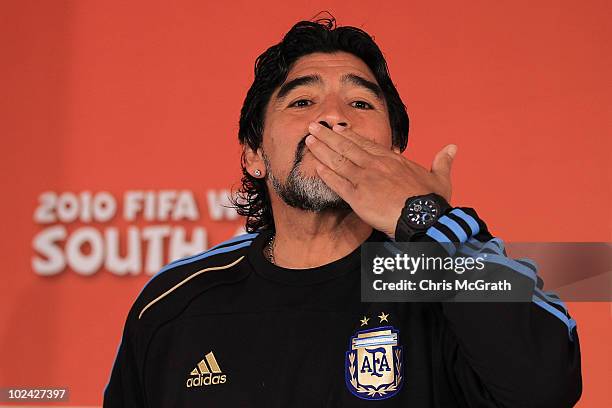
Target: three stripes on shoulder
230 245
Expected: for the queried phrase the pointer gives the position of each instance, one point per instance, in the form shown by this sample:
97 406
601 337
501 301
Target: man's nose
332 112
327 125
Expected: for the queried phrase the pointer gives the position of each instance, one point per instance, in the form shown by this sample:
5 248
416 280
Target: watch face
422 212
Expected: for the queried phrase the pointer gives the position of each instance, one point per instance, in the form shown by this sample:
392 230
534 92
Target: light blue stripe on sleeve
512 264
551 299
467 218
436 234
570 323
243 237
455 227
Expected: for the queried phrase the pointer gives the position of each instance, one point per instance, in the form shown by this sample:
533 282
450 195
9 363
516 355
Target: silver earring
257 172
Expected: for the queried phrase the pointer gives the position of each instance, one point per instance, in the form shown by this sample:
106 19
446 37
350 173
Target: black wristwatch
419 213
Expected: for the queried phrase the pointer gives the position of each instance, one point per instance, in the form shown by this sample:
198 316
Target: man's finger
340 185
341 144
335 161
443 161
366 144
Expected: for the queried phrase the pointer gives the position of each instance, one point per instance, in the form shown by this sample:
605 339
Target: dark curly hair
271 69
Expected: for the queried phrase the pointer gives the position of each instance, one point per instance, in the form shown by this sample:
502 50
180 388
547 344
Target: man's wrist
455 227
419 213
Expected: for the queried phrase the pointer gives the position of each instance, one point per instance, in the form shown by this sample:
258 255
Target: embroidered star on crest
383 317
364 321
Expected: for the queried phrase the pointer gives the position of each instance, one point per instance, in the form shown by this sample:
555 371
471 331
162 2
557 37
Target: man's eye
361 105
302 103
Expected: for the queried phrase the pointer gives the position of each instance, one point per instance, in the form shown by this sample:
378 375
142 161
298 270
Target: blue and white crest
373 366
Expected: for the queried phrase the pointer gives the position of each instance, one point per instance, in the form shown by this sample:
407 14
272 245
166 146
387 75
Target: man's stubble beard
299 191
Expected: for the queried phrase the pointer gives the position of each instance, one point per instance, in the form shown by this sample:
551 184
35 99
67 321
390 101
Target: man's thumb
444 160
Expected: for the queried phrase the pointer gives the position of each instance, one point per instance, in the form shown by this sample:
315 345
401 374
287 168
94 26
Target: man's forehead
330 63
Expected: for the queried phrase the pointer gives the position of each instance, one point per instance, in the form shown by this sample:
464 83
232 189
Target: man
274 318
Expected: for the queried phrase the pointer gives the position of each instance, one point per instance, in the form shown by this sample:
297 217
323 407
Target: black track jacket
226 328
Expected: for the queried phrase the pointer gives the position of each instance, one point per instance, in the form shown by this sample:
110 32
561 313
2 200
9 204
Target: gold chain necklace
270 250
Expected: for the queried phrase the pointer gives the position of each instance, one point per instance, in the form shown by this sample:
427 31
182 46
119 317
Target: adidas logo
207 372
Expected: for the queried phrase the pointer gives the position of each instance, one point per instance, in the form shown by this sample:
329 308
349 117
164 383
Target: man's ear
254 162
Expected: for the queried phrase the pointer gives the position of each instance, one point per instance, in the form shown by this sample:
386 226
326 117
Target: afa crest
373 366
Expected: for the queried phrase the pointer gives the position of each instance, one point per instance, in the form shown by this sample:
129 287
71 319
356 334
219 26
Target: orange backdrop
114 96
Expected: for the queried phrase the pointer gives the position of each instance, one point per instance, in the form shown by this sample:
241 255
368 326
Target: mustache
301 146
299 150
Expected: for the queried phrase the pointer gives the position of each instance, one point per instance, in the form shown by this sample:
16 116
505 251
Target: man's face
336 88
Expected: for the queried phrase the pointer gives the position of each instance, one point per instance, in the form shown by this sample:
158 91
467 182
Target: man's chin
310 194
318 206
319 197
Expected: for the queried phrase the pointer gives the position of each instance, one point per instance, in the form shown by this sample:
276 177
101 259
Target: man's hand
374 180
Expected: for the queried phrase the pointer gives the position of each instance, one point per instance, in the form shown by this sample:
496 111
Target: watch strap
455 228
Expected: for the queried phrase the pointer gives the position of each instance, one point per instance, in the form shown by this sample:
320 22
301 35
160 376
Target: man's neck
307 239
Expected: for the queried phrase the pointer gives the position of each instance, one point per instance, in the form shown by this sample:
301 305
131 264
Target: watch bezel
429 201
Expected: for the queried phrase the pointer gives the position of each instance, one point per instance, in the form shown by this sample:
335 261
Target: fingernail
314 126
338 128
310 139
452 151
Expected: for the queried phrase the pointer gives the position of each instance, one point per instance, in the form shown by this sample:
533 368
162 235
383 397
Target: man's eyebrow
295 82
364 83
